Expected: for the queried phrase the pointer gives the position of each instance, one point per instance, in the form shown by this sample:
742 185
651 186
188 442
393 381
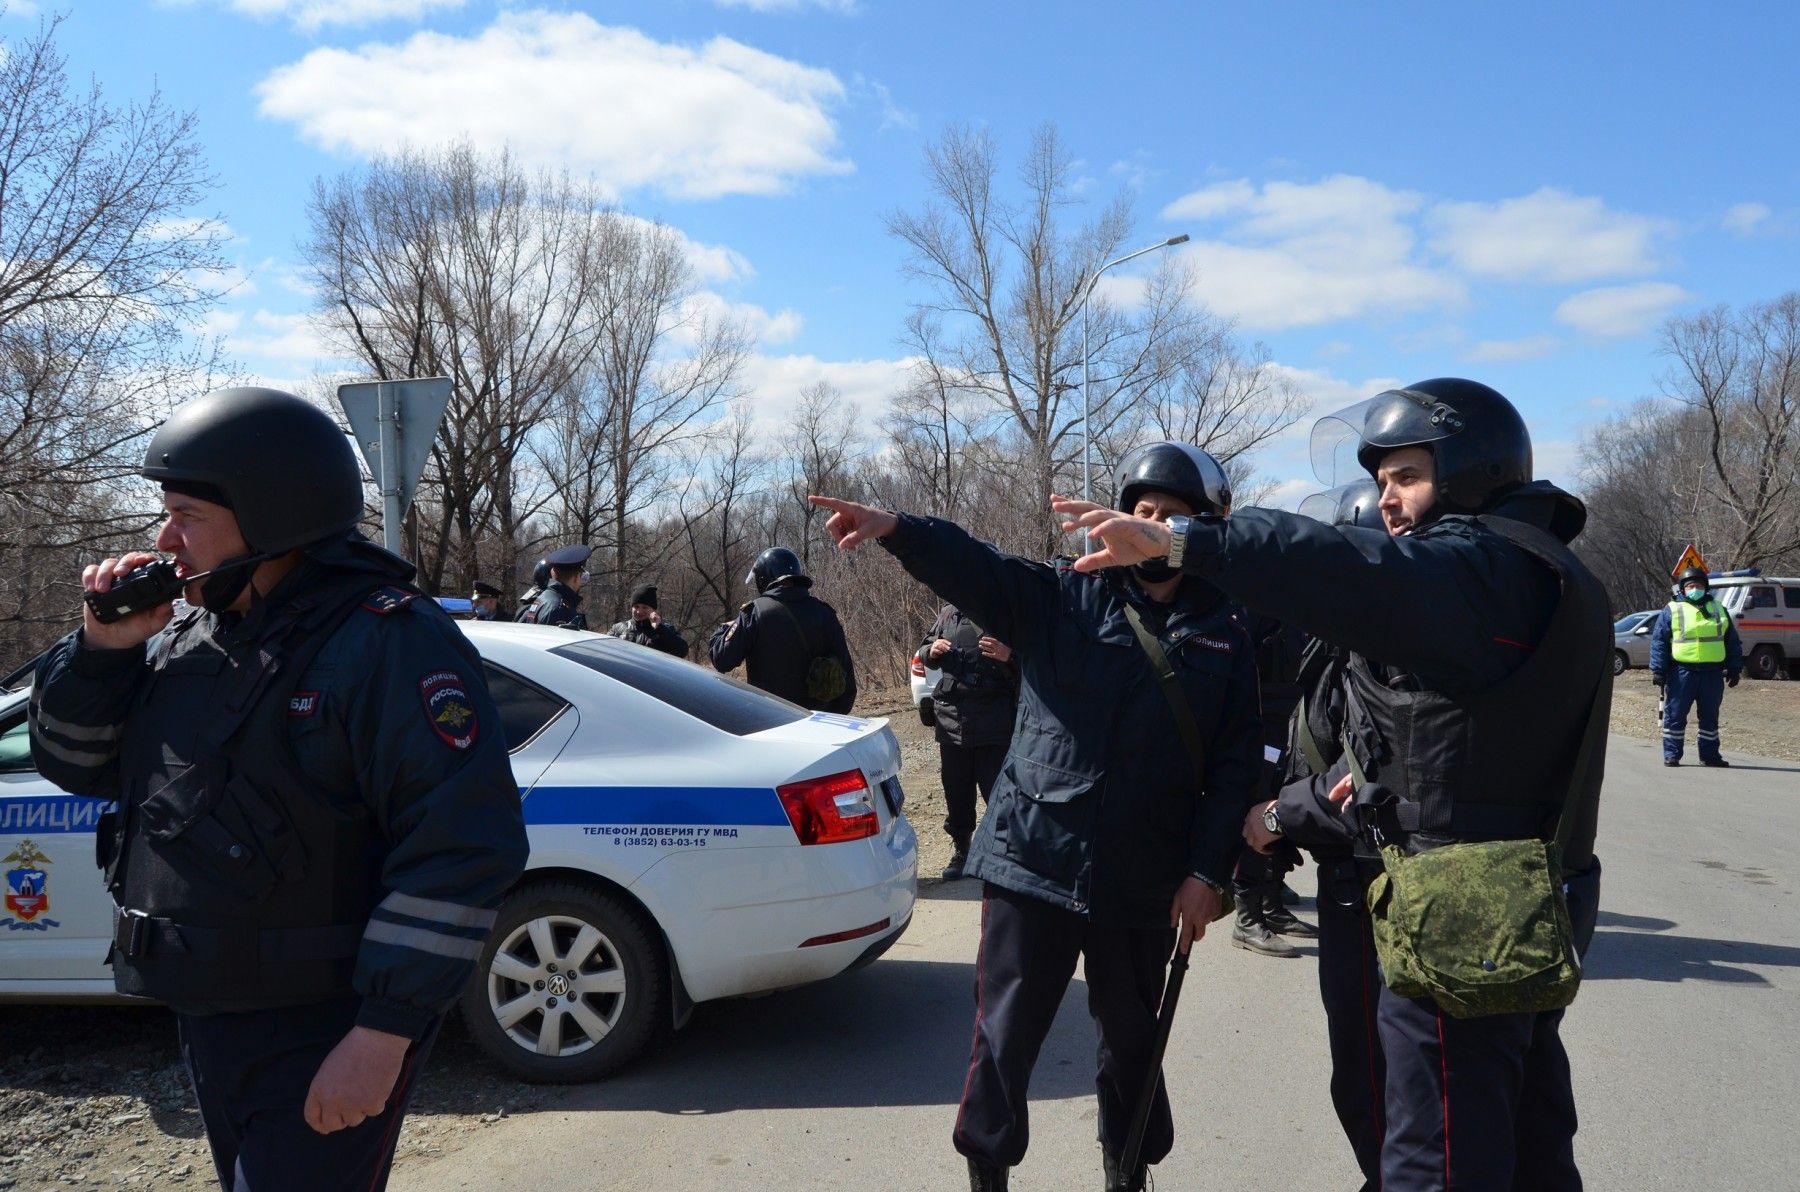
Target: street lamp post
1087 438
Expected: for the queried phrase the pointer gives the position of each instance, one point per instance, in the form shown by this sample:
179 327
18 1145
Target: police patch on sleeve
449 708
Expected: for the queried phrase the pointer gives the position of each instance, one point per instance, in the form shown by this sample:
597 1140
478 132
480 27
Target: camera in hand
138 589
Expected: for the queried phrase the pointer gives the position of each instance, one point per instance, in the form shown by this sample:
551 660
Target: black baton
1140 1121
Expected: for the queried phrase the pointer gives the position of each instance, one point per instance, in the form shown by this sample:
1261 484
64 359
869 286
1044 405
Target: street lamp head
1174 240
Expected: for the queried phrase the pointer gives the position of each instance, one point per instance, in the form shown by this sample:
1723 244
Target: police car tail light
831 809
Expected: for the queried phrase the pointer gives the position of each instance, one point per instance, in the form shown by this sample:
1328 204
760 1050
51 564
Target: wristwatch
1271 821
1178 528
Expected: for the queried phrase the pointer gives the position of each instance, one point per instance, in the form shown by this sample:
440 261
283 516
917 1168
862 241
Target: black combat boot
1280 920
959 857
1250 932
985 1177
1115 1178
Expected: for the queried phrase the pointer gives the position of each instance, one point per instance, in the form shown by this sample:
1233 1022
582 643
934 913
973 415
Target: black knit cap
646 594
199 490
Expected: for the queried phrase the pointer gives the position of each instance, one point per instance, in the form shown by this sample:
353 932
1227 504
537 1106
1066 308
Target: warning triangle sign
1689 558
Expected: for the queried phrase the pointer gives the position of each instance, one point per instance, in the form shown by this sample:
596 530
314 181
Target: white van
1766 610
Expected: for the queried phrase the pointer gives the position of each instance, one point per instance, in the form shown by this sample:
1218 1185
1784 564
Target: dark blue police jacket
1096 808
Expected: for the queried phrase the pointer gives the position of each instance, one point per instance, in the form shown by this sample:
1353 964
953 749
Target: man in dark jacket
975 698
1478 659
559 603
788 640
646 626
317 817
1114 823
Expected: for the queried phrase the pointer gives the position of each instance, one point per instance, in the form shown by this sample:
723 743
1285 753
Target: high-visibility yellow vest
1697 631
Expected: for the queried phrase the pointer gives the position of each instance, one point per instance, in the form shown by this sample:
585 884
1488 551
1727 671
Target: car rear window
525 708
1761 598
724 703
1792 596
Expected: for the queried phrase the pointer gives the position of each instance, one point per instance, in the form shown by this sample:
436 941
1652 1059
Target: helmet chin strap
226 582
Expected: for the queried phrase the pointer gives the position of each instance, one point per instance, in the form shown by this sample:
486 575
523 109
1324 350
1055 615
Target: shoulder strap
1171 688
793 620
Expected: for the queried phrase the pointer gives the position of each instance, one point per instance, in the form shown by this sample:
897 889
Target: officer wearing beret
646 626
1477 684
559 603
316 817
485 602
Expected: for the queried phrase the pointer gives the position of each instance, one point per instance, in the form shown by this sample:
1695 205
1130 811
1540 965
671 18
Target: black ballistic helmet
1353 504
540 574
281 464
774 565
1477 440
1693 575
1179 469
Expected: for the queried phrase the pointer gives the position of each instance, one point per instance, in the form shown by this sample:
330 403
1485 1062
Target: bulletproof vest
237 884
1495 764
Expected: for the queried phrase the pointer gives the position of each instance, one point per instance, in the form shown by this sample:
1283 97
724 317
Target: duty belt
136 934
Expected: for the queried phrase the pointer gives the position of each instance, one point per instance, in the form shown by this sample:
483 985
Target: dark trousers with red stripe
251 1073
1350 987
1028 952
1475 1104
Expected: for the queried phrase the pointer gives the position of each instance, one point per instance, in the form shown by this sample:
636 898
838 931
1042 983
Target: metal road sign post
394 423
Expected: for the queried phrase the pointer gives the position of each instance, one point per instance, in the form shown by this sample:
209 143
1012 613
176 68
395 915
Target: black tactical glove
1656 678
1731 680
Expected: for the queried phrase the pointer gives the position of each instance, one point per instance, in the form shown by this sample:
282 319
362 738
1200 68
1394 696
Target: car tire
521 988
927 713
1621 663
1766 662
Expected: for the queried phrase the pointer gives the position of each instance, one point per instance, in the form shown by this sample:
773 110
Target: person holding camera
973 703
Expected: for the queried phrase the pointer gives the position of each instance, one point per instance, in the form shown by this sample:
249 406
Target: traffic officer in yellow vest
1694 656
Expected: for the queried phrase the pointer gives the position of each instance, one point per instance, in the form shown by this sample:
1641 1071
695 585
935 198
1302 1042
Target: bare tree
459 264
1005 282
105 270
1741 373
820 448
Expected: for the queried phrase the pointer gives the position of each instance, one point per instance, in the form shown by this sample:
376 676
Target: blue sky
1520 193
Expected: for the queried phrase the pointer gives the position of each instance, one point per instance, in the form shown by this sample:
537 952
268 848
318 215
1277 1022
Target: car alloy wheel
1620 662
571 984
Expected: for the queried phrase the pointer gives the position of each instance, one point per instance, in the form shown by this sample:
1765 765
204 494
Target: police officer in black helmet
1111 830
1479 684
789 642
316 815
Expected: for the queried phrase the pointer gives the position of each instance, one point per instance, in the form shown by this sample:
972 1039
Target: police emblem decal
303 703
449 708
27 889
1212 643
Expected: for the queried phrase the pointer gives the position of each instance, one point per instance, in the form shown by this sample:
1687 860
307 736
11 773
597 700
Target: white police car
692 838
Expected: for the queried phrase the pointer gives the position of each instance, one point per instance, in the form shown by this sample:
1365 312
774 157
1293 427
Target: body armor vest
1495 764
1697 632
236 884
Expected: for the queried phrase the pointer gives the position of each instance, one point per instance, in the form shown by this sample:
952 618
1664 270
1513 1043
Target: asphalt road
1685 1043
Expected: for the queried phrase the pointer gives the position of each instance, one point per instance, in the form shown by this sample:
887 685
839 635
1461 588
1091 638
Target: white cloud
774 384
1530 348
567 92
1615 312
1745 218
1547 236
788 5
314 14
1556 460
768 329
273 343
1300 254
